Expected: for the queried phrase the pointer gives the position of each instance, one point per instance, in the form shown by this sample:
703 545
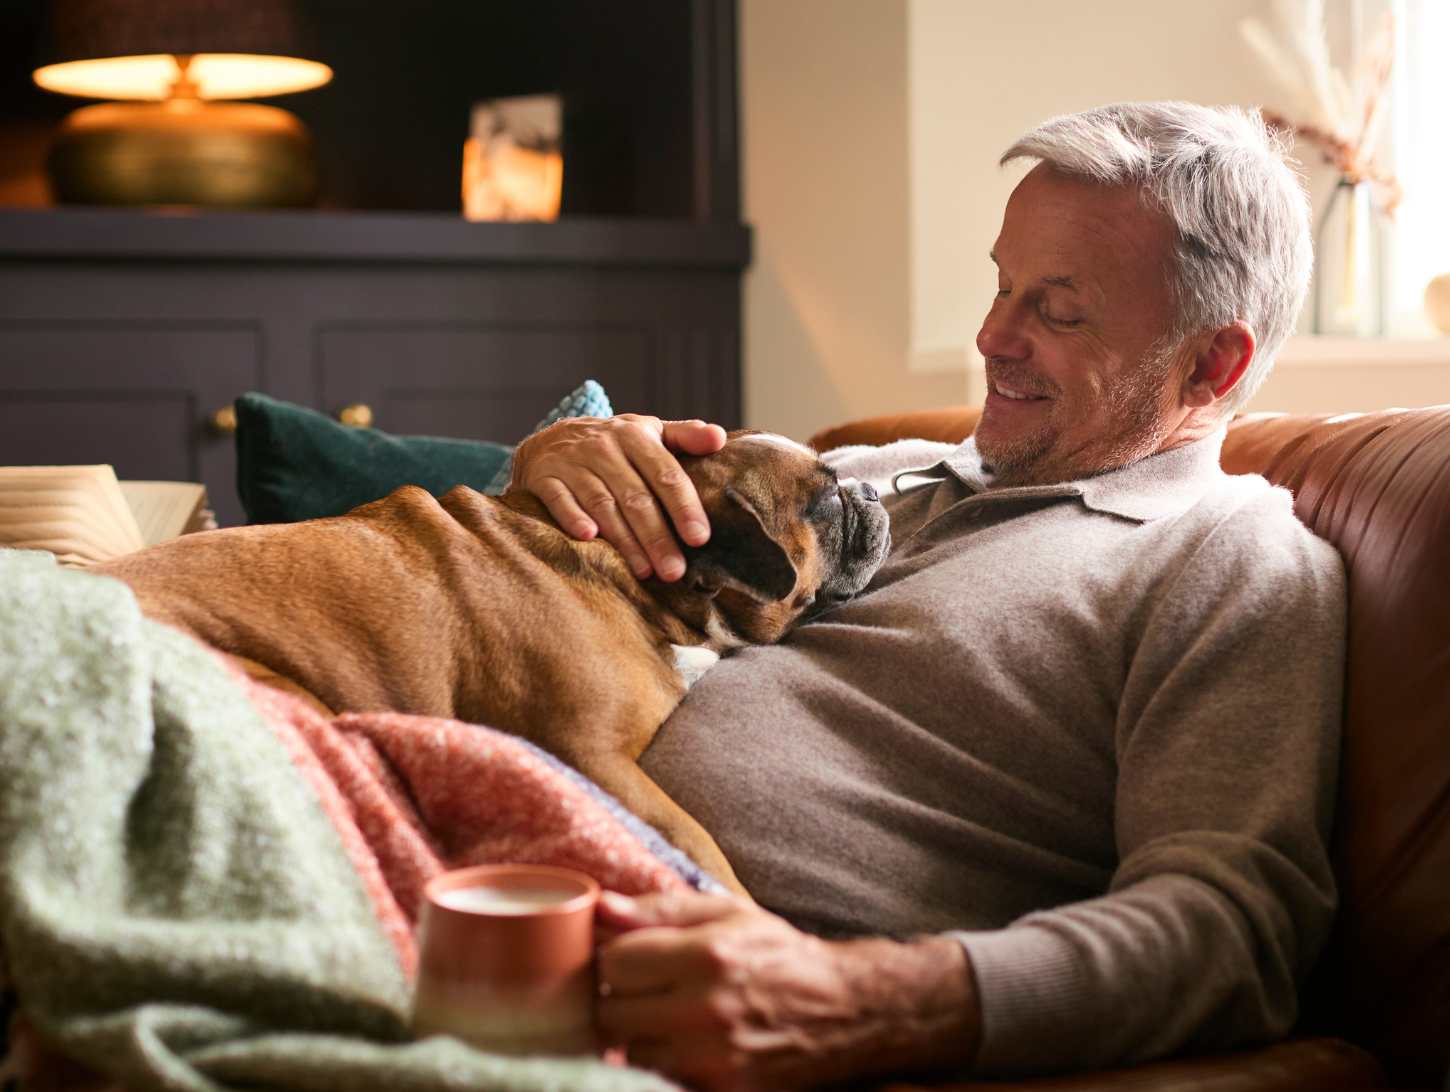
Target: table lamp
175 144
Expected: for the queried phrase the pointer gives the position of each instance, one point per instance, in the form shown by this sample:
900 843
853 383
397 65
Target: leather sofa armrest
1296 1065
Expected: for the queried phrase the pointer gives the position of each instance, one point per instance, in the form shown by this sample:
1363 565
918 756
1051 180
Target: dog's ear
741 554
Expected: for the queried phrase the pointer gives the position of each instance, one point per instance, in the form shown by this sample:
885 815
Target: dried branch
1347 159
1345 116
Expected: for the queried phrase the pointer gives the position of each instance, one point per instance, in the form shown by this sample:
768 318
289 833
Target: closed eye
824 504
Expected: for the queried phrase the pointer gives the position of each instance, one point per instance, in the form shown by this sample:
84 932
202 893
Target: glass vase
1349 264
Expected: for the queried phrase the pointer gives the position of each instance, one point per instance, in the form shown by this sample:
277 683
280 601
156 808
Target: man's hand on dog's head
718 993
609 477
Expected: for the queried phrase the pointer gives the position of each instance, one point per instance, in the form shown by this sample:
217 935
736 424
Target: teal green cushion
294 463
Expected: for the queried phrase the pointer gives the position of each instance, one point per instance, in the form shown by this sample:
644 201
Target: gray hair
1244 248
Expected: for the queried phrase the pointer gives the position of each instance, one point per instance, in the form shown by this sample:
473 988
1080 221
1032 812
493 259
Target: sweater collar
1164 484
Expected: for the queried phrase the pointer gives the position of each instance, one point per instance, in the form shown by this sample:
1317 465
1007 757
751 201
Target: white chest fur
691 662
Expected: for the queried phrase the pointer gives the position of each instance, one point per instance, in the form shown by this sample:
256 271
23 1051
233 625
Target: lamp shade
124 49
87 29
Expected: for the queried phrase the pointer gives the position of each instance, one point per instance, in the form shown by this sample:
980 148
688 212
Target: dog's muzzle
865 537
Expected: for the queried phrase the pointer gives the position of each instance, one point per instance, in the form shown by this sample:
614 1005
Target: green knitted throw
175 909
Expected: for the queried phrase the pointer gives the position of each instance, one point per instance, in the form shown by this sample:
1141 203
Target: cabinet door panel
136 397
481 382
142 436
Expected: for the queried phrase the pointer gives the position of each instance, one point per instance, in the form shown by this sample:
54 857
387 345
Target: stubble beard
1136 404
1013 458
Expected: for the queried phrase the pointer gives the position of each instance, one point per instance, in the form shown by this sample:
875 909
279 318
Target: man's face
1078 379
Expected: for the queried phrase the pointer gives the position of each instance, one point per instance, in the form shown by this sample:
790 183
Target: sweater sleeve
1227 744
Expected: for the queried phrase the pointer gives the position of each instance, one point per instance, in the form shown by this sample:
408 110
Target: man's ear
741 554
1219 362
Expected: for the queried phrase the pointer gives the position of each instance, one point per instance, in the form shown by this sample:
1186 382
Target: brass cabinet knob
358 415
224 421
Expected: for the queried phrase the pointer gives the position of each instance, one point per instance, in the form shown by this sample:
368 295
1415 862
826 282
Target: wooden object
82 514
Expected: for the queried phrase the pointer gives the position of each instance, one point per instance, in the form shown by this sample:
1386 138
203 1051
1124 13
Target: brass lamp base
184 152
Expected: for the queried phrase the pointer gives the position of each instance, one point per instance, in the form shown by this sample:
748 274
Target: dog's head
786 536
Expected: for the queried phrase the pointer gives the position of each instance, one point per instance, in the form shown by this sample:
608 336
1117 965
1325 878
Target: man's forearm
916 1004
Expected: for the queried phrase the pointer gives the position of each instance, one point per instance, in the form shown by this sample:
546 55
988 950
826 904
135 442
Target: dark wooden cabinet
124 392
121 332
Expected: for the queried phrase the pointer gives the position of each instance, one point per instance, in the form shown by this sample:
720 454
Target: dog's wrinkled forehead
773 471
783 532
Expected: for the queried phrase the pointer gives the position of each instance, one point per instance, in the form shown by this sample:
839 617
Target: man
1081 728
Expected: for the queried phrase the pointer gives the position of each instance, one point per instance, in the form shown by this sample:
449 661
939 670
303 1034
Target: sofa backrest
949 425
1377 486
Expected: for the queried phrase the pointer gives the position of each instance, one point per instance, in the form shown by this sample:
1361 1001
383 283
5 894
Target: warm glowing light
216 76
506 182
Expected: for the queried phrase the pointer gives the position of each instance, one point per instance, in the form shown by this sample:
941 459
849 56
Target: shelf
649 124
90 234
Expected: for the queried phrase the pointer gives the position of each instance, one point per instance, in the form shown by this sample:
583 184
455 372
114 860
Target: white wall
871 131
824 124
983 73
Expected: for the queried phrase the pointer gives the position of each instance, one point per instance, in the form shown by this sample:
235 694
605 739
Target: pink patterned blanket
413 796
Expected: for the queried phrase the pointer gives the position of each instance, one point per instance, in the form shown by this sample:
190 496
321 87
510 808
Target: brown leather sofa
1377 1010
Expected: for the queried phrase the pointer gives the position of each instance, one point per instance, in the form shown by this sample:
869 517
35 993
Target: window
1421 238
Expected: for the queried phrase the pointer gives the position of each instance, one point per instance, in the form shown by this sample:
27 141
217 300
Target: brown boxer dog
482 609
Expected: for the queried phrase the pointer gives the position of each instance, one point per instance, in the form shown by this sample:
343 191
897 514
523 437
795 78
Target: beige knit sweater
1092 726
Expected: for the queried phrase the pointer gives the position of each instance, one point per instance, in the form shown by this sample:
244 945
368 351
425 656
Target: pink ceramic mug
506 959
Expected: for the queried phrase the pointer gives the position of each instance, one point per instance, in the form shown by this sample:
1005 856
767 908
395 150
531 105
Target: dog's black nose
869 491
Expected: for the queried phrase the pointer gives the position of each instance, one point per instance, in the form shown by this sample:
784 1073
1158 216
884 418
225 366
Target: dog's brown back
450 607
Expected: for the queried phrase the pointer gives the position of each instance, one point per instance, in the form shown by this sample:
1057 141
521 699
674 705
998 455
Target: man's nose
1001 332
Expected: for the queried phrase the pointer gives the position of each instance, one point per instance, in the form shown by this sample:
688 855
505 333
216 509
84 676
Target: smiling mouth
1019 396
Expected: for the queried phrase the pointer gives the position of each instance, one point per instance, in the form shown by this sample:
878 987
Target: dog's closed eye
825 504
